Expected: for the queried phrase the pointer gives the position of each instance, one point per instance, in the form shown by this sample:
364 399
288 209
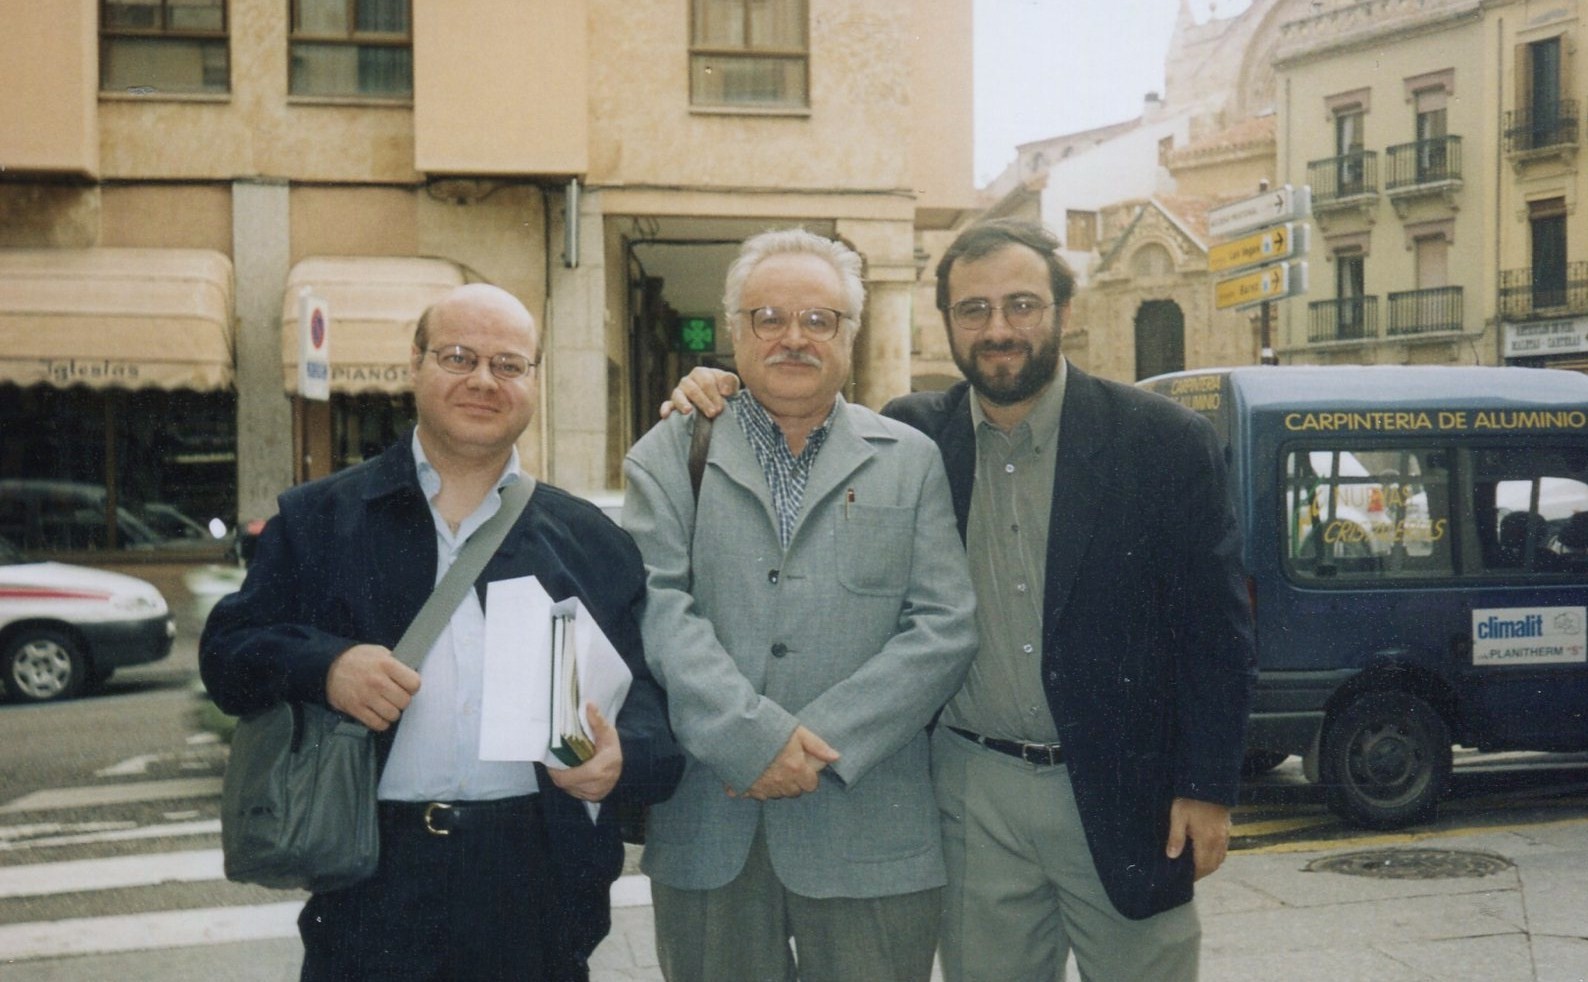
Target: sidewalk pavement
1269 914
1272 915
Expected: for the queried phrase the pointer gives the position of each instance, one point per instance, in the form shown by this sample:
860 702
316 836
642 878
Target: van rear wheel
1386 760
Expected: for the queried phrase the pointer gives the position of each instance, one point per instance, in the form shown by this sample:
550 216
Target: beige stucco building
1387 113
1130 201
176 173
1541 235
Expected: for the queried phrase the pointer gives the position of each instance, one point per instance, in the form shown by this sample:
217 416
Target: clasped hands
796 769
368 683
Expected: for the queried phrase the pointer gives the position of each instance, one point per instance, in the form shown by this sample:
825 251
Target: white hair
844 260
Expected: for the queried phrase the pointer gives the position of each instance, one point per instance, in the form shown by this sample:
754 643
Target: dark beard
1042 362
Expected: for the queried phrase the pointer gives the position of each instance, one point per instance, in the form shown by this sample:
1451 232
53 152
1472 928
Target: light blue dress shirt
436 754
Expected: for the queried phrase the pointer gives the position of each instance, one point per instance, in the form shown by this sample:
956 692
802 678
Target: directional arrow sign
1285 204
1268 283
1282 242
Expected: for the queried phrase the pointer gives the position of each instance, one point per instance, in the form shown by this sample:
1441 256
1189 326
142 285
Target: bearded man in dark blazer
1086 770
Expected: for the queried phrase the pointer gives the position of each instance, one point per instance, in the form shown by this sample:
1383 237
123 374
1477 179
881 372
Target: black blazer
351 558
1147 657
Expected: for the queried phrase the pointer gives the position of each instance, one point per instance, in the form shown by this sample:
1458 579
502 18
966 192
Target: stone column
882 352
575 373
261 256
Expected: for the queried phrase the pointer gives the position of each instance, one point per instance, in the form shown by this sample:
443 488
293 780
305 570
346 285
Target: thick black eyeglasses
1020 312
458 360
816 323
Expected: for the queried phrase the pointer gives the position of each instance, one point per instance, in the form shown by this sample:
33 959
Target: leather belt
442 818
1041 754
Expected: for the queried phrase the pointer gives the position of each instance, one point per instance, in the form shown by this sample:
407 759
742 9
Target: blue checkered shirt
785 473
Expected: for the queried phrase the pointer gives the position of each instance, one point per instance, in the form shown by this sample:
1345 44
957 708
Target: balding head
474 404
476 297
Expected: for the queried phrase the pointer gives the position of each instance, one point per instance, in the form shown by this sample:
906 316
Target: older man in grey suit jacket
807 621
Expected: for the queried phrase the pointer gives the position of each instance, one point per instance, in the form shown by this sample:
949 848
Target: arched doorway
1160 338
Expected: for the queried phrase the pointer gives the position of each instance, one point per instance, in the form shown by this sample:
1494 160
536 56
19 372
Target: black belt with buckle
1044 754
442 818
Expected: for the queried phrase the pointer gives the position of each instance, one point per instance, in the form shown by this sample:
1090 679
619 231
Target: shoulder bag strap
459 579
699 443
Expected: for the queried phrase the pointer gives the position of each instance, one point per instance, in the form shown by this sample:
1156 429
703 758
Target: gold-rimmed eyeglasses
816 323
505 365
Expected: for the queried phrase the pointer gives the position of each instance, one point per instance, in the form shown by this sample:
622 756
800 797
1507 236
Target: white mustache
798 357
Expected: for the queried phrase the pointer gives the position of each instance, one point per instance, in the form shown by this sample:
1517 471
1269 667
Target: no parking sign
314 346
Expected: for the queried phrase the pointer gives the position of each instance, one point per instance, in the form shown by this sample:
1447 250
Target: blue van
1417 553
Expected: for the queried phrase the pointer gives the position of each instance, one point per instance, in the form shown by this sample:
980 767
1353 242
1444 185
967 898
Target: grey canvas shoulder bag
298 809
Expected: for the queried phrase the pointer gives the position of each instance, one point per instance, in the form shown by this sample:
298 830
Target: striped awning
116 318
373 303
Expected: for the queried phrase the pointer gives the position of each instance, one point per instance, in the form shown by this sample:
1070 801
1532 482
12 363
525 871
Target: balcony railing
1345 319
1424 311
1424 162
1346 176
1540 127
1534 291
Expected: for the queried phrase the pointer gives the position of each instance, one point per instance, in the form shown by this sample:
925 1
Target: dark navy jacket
1147 656
351 558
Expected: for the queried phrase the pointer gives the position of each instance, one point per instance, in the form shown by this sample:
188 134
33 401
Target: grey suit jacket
861 631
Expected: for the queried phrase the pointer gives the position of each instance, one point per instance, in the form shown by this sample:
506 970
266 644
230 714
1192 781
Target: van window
1362 513
1531 509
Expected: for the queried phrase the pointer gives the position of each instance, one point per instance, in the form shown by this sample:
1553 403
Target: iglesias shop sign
66 371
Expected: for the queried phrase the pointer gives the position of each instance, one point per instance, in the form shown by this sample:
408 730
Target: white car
64 628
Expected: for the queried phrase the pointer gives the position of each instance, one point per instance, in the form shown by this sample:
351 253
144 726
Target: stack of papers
545 661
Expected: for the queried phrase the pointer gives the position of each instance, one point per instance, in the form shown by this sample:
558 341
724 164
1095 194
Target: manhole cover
1412 864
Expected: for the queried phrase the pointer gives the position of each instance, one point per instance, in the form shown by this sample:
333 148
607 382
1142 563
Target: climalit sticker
1529 635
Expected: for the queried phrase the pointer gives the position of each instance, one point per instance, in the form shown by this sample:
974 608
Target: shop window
749 54
141 471
363 426
152 46
352 48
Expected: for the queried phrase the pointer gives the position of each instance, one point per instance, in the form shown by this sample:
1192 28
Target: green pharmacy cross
697 334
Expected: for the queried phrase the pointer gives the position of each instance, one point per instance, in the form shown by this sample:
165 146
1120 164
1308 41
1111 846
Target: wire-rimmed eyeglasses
459 360
816 323
1021 312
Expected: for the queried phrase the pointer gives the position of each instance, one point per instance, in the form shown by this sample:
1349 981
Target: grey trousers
1023 891
740 932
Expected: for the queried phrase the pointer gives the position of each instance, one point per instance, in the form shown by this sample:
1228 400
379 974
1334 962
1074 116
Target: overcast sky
1048 67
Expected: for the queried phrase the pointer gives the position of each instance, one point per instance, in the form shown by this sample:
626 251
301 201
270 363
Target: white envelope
515 708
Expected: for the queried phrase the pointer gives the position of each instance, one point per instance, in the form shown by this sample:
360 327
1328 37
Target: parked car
53 516
65 629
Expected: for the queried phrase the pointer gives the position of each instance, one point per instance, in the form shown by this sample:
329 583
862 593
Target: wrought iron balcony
1537 292
1429 311
1344 319
1351 175
1540 127
1425 162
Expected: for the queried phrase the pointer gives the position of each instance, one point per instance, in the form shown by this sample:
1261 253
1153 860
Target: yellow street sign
1268 283
1280 242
